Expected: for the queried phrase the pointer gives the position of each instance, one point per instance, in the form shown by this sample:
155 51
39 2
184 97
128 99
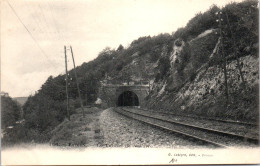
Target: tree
106 52
120 48
10 111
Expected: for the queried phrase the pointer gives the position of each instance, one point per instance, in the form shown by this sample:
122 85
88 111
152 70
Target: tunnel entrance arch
128 98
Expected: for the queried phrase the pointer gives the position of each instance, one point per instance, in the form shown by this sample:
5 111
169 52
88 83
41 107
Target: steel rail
249 139
203 118
176 131
244 138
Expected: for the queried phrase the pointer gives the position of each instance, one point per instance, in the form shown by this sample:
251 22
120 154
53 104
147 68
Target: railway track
237 128
204 118
206 135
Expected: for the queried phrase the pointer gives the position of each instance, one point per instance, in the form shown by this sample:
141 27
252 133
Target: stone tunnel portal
128 98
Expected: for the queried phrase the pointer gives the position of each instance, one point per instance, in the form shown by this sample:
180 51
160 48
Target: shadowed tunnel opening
128 98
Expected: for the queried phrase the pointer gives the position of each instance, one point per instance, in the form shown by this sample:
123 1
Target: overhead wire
43 25
39 21
34 18
43 52
35 15
51 8
47 18
60 35
55 23
45 21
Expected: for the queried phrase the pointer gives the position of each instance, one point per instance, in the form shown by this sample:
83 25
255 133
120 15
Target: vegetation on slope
147 58
10 112
47 108
10 116
195 83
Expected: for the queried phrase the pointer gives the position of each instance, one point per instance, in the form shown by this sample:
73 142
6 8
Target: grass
78 131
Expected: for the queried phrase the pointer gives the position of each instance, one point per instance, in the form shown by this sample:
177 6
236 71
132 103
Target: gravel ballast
120 131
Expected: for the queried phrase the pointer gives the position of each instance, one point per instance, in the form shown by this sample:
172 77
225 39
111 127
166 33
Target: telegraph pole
81 104
67 95
223 56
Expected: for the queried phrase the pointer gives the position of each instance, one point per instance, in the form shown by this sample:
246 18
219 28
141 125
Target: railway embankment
107 128
120 131
79 130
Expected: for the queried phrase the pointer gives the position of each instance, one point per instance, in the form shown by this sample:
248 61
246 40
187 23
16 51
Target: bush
42 113
10 111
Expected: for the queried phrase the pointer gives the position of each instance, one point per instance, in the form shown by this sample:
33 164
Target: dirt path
80 131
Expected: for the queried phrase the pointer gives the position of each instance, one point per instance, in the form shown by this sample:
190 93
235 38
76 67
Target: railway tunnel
128 98
123 95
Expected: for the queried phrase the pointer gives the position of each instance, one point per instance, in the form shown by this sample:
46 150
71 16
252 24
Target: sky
34 33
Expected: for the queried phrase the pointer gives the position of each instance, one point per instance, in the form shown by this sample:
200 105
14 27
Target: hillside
10 112
196 85
185 68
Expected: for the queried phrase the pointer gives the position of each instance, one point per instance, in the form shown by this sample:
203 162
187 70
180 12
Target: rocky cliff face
195 84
